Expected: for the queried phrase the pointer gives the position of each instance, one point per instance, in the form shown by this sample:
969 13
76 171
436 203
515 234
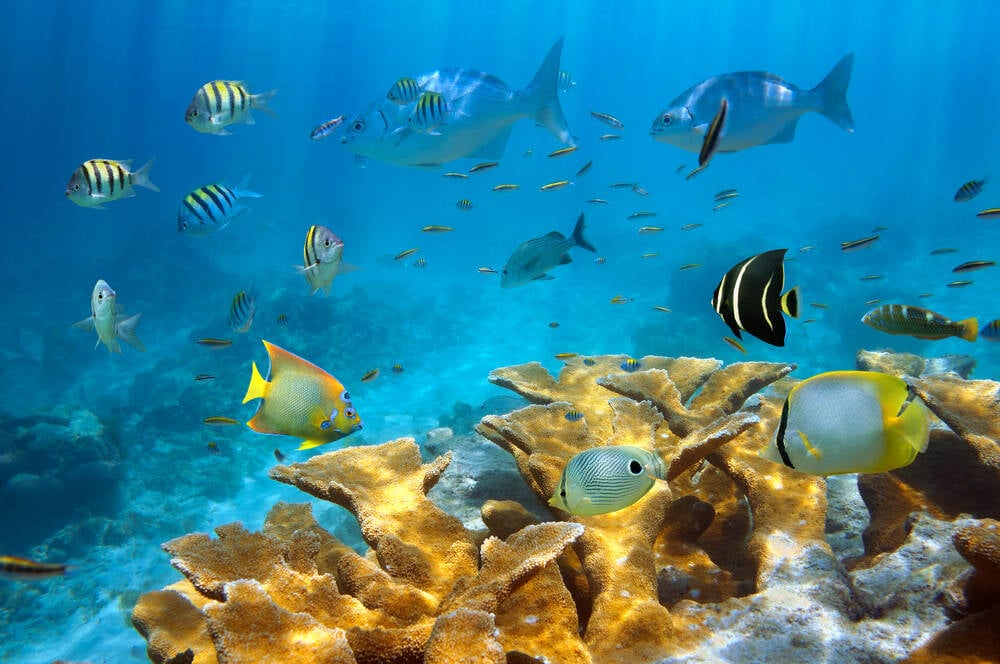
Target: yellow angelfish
300 399
606 479
850 422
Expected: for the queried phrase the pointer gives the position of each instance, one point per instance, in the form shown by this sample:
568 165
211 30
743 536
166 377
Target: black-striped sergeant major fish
585 168
325 129
406 252
486 165
210 208
600 260
242 310
282 320
99 181
853 245
464 204
971 266
420 263
562 152
991 331
24 569
213 447
714 134
609 120
397 368
506 187
919 323
969 190
432 111
989 213
552 186
565 81
404 91
218 104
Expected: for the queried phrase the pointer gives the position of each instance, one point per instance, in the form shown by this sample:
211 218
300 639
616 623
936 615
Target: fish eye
350 413
634 467
194 113
666 119
327 243
76 187
562 493
358 125
345 396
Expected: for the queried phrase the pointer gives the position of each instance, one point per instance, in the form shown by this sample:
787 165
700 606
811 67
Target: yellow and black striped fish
969 190
242 311
23 569
431 111
99 181
404 91
210 208
464 204
218 104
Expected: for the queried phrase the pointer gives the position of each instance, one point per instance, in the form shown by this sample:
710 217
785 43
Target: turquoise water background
112 80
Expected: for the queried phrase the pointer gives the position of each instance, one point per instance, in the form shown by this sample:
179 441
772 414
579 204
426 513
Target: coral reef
714 563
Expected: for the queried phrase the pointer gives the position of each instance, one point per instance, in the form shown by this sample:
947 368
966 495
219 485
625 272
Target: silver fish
763 108
322 256
484 110
534 258
107 322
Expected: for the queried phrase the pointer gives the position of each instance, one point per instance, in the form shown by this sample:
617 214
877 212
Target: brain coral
725 560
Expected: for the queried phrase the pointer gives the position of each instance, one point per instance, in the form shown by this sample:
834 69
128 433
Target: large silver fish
483 111
763 108
534 258
106 320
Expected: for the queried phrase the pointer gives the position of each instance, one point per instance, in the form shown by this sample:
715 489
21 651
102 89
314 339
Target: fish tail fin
578 236
242 191
259 102
831 94
543 95
970 328
257 385
790 302
142 176
126 332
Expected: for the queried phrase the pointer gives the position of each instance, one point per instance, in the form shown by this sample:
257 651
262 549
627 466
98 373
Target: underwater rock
726 558
908 364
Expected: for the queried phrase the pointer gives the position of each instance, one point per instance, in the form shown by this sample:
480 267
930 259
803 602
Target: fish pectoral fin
809 447
565 258
347 267
85 324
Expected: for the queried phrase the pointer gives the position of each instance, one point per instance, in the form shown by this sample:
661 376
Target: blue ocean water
110 450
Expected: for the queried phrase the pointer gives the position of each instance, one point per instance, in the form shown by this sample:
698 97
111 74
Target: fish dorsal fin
555 235
283 361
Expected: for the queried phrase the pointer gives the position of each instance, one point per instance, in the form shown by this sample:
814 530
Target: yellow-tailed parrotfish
300 399
606 479
849 422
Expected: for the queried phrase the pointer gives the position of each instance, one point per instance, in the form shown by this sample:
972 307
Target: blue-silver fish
483 110
533 258
210 208
763 108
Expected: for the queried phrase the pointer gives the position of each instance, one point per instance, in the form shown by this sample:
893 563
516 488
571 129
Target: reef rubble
725 560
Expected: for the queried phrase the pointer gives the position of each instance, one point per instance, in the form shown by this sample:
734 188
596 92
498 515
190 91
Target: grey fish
534 258
763 109
484 110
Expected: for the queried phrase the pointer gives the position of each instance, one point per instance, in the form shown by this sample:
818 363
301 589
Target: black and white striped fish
432 111
749 297
210 208
242 311
404 91
218 104
99 181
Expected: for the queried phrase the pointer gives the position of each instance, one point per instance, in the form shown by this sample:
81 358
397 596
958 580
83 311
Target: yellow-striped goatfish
218 104
99 181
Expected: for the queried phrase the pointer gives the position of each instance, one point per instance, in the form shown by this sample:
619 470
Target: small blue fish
763 108
589 361
574 415
631 365
210 208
